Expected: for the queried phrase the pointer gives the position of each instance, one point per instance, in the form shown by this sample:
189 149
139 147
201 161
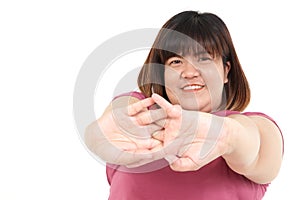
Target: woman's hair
191 32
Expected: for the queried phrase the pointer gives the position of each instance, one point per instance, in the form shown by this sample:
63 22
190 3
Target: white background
43 45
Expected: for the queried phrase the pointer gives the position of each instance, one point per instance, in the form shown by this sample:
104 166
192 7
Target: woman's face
196 82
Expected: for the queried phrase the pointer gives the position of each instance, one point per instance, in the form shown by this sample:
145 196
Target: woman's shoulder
226 113
135 94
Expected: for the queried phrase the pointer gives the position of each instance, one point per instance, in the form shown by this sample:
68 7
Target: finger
150 116
137 107
172 110
159 135
146 131
163 103
152 128
131 128
162 122
118 149
184 164
113 154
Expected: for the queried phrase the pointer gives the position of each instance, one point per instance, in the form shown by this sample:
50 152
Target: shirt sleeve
135 94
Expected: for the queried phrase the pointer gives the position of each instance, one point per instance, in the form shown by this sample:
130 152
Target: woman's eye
203 59
175 62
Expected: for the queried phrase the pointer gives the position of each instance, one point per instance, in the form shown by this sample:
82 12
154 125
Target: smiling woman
192 79
184 136
204 39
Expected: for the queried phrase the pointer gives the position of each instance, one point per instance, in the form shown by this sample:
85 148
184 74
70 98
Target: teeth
193 87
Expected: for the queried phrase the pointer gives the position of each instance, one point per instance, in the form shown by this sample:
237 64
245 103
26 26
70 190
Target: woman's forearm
255 147
243 144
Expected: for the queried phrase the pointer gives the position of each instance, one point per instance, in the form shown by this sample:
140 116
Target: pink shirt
215 181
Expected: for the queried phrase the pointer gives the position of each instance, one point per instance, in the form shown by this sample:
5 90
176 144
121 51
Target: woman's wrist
230 132
226 135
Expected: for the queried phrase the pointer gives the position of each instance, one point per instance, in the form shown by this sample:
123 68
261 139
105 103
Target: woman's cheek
171 81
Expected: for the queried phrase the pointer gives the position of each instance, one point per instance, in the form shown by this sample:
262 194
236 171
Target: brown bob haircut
211 33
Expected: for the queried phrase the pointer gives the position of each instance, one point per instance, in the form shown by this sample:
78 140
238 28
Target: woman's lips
193 87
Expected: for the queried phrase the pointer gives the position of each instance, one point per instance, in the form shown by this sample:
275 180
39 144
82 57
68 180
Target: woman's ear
227 67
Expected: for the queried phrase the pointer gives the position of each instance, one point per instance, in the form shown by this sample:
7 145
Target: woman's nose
190 71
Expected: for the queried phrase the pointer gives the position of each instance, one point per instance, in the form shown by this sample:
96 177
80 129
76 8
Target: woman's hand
191 139
251 146
122 135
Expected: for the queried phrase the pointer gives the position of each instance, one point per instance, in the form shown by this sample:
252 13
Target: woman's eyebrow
201 53
176 56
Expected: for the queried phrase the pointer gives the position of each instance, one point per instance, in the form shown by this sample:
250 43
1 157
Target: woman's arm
251 145
255 147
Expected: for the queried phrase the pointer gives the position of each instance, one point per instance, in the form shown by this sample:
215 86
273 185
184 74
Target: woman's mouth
193 87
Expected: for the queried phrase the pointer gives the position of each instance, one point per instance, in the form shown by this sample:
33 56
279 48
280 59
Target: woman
184 136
